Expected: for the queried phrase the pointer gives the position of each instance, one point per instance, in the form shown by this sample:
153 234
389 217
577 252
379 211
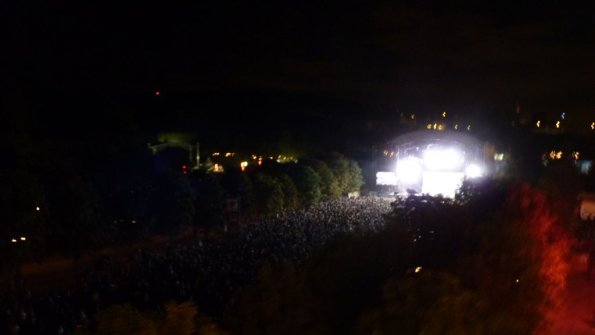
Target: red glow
551 244
157 93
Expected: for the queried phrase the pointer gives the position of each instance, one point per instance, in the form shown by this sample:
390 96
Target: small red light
157 93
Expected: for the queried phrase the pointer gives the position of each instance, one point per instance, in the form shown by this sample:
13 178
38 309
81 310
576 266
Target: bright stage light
442 183
386 178
473 171
443 159
408 170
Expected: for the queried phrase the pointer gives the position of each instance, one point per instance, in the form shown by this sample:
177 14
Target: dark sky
377 57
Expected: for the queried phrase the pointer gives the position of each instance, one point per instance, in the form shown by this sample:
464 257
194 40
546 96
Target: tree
339 164
278 303
124 320
507 252
562 191
269 194
246 193
172 203
239 185
210 197
179 318
309 186
546 254
290 192
356 180
424 302
518 259
328 182
77 217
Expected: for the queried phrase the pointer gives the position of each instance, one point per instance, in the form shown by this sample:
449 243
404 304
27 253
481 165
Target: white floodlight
473 171
386 178
442 159
441 183
408 170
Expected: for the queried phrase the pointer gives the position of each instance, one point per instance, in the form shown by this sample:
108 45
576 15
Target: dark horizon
476 60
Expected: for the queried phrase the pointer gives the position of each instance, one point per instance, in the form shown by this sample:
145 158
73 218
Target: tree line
65 196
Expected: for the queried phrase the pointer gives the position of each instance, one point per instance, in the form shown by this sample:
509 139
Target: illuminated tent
436 162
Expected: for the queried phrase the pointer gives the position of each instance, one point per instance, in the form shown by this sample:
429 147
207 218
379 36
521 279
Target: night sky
331 58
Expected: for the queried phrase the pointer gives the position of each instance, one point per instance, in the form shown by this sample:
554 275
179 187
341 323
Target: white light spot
408 170
444 183
473 171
